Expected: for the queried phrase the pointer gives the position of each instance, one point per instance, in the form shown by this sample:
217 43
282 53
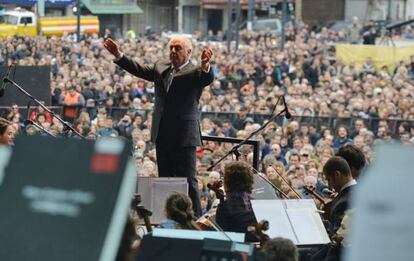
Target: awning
104 8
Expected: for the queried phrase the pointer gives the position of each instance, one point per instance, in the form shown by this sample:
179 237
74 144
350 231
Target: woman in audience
6 132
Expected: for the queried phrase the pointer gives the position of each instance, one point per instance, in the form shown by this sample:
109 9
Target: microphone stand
67 125
235 148
29 103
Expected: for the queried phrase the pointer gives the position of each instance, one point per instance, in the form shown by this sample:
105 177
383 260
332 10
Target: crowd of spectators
248 82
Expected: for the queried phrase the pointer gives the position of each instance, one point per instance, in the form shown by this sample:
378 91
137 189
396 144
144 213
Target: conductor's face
180 51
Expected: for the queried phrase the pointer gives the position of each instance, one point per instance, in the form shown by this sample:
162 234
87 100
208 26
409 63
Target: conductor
175 127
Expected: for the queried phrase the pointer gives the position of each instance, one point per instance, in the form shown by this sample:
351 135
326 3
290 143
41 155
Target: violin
205 222
217 188
326 203
260 229
142 212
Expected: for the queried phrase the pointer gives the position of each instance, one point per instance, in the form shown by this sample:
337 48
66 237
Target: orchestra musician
235 213
338 174
179 212
339 177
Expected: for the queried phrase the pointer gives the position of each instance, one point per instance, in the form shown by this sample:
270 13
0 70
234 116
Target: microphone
5 81
287 114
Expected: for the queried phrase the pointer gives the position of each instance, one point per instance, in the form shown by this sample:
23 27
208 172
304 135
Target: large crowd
249 81
102 100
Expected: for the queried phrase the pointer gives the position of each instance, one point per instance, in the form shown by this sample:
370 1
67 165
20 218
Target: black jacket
338 207
235 215
177 110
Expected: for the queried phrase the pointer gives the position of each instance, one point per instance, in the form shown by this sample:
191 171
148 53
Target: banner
381 55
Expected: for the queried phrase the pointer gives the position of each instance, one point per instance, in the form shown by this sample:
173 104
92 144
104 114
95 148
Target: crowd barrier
332 122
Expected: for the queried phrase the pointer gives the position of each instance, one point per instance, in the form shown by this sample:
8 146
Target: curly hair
178 207
238 177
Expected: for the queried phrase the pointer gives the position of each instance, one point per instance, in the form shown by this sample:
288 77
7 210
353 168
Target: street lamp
78 14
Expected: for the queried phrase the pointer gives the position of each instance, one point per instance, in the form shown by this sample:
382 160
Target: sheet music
274 211
296 220
300 203
303 222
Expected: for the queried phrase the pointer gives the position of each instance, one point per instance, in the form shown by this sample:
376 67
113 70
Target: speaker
154 192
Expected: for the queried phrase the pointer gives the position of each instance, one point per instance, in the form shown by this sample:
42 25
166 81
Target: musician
179 212
338 174
6 132
355 158
235 213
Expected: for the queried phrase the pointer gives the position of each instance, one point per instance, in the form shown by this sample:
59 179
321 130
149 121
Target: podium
65 199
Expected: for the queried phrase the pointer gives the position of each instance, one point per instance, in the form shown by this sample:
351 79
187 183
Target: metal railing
331 122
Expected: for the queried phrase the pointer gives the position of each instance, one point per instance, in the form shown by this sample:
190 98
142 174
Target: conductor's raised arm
113 48
145 72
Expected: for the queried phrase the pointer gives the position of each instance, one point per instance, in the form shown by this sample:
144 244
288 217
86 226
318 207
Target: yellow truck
25 23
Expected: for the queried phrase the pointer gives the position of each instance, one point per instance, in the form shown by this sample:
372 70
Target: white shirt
182 66
348 184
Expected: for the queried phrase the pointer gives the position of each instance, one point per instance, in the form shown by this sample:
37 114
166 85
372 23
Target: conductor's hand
112 47
205 58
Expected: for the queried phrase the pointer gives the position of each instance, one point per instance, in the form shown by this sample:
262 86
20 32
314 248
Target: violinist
179 212
355 158
235 213
338 174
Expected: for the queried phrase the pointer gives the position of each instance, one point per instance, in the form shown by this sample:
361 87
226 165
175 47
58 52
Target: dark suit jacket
177 110
338 207
234 215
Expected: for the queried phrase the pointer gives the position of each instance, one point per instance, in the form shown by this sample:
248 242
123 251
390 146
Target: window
9 19
26 20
